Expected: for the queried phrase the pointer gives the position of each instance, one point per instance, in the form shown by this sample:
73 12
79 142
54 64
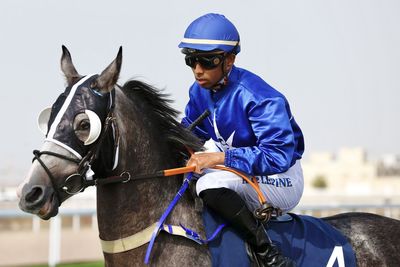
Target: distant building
389 165
349 172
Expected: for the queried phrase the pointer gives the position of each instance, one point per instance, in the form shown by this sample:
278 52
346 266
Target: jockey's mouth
201 80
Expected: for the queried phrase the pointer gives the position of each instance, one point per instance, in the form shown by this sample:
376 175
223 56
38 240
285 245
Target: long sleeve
275 144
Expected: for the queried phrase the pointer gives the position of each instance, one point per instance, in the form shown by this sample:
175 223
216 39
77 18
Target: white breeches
282 190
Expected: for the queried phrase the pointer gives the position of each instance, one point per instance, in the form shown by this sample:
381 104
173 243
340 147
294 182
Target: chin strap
224 80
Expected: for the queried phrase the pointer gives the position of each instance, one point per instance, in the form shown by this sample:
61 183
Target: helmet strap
224 79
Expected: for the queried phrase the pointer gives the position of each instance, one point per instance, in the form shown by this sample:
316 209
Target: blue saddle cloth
307 240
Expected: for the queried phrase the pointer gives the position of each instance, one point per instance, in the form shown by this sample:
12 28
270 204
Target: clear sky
337 62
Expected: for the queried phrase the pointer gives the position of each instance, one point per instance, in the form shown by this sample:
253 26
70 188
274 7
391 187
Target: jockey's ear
109 77
229 61
67 67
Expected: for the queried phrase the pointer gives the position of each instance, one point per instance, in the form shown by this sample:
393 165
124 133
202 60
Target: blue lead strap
176 198
189 233
196 237
165 215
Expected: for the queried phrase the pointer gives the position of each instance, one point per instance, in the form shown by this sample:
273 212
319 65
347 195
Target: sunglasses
207 61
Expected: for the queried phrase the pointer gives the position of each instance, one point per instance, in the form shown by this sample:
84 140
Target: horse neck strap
143 237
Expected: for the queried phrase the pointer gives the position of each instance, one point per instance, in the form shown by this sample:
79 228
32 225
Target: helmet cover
211 32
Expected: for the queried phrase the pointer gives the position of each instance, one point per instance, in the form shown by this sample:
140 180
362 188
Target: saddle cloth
307 240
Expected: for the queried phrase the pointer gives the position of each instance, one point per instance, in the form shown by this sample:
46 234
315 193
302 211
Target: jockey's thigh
282 190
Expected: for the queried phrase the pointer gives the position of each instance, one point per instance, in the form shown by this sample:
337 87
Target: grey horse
139 134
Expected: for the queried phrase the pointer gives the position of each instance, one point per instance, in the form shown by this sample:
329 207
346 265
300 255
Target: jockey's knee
211 180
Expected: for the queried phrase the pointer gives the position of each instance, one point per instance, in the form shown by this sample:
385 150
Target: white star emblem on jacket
222 144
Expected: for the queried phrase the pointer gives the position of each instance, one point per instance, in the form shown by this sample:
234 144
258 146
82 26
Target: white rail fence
55 227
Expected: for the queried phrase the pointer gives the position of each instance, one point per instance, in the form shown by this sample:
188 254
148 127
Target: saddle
307 240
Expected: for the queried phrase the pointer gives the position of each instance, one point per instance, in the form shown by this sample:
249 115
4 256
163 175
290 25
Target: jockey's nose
198 68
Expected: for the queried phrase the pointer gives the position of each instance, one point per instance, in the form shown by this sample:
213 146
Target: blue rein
165 215
190 233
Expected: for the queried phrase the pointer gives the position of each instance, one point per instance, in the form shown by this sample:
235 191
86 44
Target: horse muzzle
39 200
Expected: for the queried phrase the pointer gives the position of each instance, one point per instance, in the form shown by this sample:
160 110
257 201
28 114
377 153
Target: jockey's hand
205 160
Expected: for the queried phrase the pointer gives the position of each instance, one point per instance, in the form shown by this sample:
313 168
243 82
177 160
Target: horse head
75 126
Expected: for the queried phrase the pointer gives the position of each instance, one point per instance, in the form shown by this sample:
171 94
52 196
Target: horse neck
124 209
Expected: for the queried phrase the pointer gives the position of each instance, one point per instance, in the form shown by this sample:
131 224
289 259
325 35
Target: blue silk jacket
250 121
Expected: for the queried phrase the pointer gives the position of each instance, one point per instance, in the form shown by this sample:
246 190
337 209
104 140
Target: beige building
348 176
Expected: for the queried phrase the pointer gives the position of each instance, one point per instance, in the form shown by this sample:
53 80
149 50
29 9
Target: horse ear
68 68
109 77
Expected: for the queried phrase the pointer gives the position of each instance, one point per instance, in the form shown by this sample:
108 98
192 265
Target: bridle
84 165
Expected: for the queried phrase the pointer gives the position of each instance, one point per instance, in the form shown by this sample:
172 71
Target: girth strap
139 239
143 237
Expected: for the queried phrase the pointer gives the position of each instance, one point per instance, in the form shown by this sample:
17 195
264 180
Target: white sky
336 61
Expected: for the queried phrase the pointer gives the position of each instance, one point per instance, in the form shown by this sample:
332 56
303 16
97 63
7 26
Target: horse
106 132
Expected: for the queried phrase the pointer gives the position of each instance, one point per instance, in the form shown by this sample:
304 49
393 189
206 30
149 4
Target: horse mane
177 137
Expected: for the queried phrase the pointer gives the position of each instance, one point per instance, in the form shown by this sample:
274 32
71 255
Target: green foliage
320 182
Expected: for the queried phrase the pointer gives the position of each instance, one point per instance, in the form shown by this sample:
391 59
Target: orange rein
252 181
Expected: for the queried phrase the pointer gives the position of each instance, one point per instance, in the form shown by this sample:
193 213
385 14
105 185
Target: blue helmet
211 32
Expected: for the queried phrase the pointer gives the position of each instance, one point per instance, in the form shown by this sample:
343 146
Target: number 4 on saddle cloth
309 241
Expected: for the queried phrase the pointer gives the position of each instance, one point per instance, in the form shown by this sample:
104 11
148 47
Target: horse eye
84 125
81 126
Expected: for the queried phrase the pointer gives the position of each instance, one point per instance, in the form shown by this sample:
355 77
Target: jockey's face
208 77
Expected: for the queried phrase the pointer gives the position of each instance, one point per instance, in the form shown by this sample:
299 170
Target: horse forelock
164 116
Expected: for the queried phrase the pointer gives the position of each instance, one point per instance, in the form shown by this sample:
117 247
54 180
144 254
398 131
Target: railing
55 227
389 210
76 214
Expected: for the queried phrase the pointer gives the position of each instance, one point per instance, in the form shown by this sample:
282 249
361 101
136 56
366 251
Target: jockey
253 129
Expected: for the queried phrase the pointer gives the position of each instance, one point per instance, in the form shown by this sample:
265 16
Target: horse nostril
35 195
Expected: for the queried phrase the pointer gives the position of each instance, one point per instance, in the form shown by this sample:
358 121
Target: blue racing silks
250 121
